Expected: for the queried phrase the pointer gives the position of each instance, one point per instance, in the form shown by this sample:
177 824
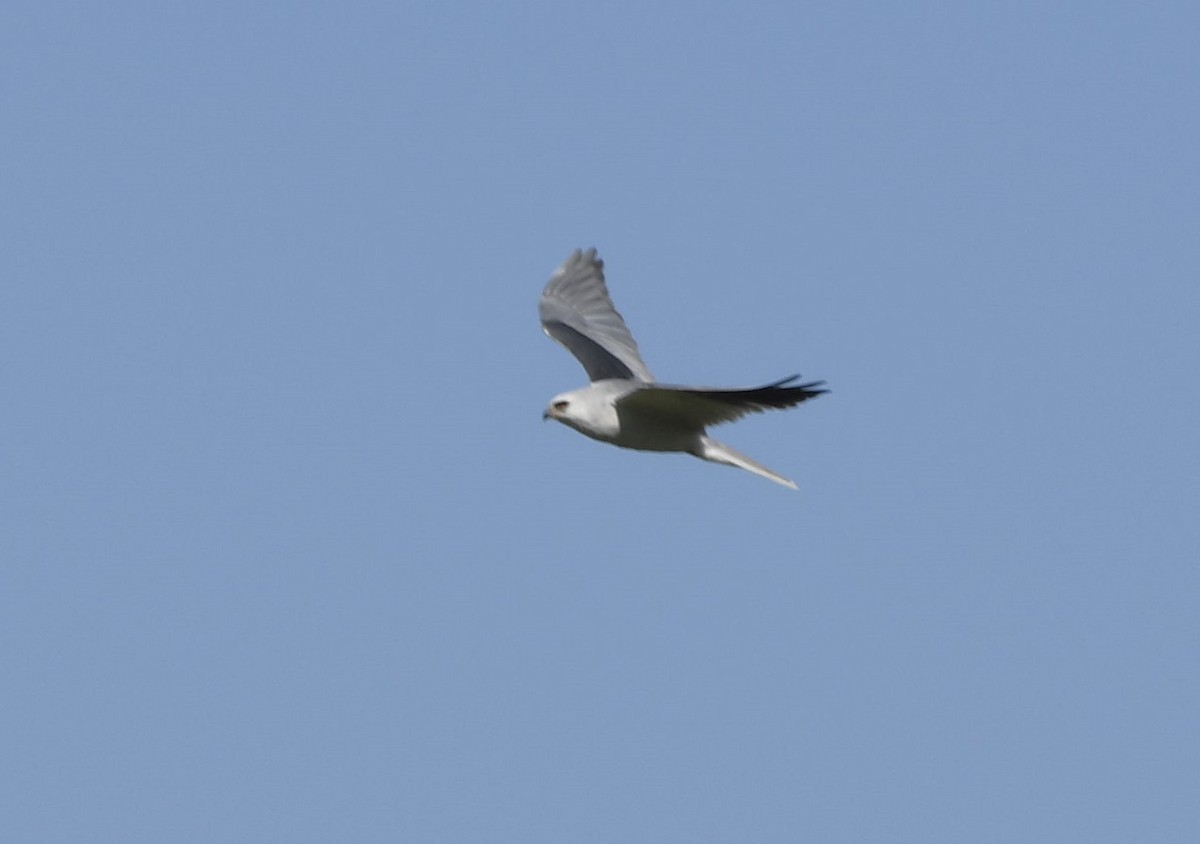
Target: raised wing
576 311
702 406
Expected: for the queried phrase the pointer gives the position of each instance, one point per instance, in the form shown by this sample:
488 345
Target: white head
587 410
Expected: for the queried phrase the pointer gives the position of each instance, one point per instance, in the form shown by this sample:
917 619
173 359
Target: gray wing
698 407
576 311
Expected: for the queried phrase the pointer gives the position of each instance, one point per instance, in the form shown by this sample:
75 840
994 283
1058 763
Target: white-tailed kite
623 404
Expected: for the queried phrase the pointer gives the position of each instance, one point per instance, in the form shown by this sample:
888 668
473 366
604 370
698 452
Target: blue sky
289 555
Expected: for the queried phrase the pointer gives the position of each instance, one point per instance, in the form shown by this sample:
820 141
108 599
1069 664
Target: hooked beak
545 415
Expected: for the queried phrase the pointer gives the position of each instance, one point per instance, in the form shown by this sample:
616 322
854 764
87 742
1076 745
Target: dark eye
561 405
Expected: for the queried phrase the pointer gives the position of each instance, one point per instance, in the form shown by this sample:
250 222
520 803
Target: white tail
716 452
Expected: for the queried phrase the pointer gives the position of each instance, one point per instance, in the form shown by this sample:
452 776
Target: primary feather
577 311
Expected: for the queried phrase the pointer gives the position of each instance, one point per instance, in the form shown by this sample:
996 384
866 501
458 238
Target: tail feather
716 452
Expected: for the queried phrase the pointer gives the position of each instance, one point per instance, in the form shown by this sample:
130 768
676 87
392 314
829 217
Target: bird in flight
623 404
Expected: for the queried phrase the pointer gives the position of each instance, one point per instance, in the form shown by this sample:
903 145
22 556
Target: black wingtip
814 388
776 395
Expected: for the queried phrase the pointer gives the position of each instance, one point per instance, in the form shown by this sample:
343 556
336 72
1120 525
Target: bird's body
624 405
600 411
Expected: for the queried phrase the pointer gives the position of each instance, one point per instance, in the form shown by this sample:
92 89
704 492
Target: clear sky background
289 554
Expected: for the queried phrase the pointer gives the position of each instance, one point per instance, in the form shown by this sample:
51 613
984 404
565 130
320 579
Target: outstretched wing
576 311
699 407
